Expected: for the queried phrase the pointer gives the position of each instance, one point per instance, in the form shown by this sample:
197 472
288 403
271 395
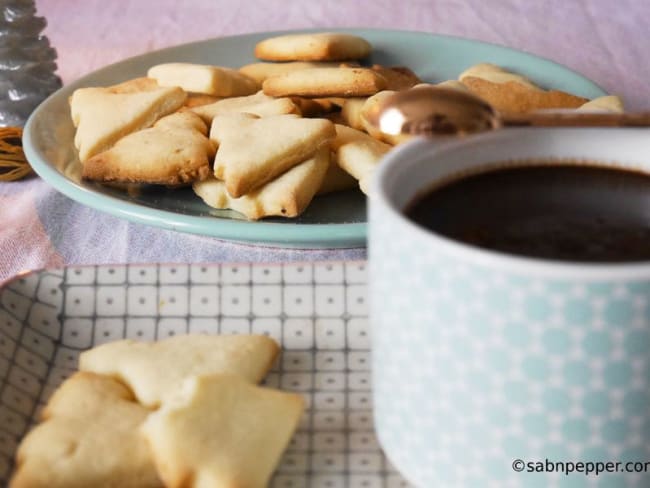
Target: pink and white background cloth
606 41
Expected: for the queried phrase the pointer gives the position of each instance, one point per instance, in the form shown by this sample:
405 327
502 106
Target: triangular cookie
153 370
227 126
259 104
102 116
264 148
89 437
286 196
172 152
358 154
222 432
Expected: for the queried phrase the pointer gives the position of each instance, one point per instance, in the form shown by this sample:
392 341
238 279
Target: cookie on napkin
155 370
220 431
89 438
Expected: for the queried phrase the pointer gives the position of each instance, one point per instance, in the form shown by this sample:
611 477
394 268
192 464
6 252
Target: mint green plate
337 220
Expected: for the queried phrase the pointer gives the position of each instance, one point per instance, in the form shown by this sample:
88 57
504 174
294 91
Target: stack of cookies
181 412
266 139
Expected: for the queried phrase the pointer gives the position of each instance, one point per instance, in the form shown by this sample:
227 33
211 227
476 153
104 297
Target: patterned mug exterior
492 370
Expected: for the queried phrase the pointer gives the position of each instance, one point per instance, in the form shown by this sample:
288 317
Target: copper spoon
433 111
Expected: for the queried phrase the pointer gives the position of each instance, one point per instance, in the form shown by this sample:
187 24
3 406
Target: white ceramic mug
491 370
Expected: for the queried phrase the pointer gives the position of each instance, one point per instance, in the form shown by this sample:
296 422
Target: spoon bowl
437 111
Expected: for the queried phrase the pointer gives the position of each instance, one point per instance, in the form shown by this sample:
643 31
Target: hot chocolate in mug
499 370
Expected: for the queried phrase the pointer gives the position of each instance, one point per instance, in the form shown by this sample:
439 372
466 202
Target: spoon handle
573 119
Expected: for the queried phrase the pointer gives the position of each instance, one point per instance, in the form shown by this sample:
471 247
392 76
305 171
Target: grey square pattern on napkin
317 312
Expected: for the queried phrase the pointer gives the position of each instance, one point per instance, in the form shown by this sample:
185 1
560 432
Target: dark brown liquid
563 212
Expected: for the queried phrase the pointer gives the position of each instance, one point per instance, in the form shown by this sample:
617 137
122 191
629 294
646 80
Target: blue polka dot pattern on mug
500 365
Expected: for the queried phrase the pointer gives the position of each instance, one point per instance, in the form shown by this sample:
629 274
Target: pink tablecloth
606 41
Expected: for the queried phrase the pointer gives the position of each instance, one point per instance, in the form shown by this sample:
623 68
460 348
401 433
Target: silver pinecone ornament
27 62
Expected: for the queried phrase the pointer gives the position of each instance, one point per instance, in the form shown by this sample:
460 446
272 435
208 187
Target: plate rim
270 234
